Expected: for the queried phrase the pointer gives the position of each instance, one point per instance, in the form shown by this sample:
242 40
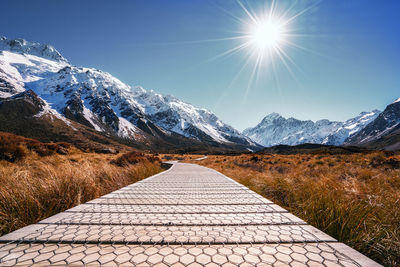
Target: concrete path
187 215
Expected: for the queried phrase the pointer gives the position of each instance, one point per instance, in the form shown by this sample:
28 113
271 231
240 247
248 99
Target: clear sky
349 61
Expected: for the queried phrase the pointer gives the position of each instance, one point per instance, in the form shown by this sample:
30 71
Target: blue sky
351 60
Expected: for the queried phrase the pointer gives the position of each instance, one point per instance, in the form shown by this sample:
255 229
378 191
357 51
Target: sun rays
264 39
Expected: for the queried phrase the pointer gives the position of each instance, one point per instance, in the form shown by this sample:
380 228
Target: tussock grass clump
14 147
353 197
133 157
36 187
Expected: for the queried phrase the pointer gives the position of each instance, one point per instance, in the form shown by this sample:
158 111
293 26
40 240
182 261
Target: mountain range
44 96
375 129
102 103
383 132
275 130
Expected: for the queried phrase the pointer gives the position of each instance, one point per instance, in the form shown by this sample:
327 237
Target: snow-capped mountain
28 115
351 127
36 49
387 123
98 100
275 130
174 115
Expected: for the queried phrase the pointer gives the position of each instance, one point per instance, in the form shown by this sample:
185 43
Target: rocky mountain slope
383 132
351 127
275 130
99 101
26 114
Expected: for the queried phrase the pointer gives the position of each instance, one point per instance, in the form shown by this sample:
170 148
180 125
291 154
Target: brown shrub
383 160
252 166
254 159
13 147
132 158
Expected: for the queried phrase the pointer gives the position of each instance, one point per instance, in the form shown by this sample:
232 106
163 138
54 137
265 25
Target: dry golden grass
179 157
14 148
354 198
37 187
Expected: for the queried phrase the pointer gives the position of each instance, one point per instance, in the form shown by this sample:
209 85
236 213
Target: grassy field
37 182
355 198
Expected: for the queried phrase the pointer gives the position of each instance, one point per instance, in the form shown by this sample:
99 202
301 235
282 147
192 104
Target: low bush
14 148
132 158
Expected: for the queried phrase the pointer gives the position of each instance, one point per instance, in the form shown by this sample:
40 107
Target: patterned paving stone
184 196
173 201
174 219
183 188
186 216
171 234
147 255
235 209
180 192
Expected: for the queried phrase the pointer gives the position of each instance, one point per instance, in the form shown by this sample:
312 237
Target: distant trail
187 214
201 158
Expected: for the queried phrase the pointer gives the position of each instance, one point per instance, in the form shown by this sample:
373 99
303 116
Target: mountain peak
274 115
271 116
23 46
398 100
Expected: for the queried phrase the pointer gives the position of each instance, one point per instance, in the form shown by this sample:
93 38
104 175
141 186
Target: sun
267 37
266 34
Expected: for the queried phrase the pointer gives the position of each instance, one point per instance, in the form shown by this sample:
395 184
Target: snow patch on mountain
90 117
47 110
126 128
17 69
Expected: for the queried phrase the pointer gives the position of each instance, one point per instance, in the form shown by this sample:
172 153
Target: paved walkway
186 215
